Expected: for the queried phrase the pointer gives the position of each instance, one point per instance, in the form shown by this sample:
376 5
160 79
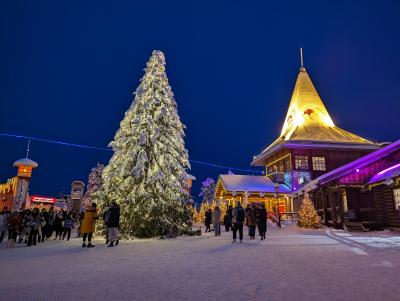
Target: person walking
113 224
208 220
238 216
69 222
12 223
262 220
216 217
4 214
251 221
88 225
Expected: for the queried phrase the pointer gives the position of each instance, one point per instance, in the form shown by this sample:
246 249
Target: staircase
355 227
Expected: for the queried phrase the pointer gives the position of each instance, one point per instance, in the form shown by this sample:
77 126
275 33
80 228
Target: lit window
396 198
301 162
318 163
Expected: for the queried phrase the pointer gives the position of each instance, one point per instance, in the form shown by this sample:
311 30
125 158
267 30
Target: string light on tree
147 174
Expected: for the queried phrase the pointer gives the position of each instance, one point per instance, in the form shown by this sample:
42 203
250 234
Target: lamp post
276 188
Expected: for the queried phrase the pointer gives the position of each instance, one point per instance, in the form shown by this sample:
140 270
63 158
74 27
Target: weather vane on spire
301 60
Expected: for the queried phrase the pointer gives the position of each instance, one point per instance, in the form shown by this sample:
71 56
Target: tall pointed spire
305 106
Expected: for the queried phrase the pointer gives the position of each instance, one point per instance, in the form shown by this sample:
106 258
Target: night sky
68 70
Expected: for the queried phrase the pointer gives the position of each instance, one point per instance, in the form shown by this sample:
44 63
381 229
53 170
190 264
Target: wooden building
14 192
364 193
309 144
254 189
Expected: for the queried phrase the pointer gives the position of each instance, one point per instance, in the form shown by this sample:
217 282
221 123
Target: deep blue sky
68 70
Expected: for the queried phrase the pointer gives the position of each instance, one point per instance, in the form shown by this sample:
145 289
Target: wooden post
341 208
325 206
332 201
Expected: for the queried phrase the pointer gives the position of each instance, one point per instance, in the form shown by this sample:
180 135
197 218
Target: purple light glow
387 169
357 170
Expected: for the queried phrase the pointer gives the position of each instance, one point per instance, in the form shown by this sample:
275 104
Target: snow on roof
26 162
251 184
190 177
385 174
358 164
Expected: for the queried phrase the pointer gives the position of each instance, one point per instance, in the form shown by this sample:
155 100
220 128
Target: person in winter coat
238 216
216 217
228 221
51 216
113 224
106 217
262 220
34 222
68 225
25 225
251 221
57 224
4 214
13 228
208 220
88 225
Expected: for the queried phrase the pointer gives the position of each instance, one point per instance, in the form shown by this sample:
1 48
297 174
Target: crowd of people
32 226
254 216
35 226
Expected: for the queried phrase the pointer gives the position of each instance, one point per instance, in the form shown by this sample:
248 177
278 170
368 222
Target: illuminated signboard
42 199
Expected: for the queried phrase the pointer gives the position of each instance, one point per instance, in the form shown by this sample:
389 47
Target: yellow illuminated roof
308 119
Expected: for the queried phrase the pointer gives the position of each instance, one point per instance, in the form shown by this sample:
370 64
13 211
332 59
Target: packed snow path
291 264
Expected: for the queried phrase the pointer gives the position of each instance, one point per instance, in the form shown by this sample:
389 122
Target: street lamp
276 188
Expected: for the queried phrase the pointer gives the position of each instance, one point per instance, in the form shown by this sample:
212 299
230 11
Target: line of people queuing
35 226
255 215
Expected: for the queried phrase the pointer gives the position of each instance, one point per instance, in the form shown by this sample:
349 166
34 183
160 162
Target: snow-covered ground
292 264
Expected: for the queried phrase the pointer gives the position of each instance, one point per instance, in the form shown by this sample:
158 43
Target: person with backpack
69 222
238 217
113 224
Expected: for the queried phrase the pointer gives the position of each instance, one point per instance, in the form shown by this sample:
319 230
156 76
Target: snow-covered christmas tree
308 217
147 174
94 184
207 190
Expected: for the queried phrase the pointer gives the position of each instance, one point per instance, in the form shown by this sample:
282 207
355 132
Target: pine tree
308 217
207 190
94 184
147 174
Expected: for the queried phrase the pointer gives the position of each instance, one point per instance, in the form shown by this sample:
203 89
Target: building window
301 162
396 198
318 163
